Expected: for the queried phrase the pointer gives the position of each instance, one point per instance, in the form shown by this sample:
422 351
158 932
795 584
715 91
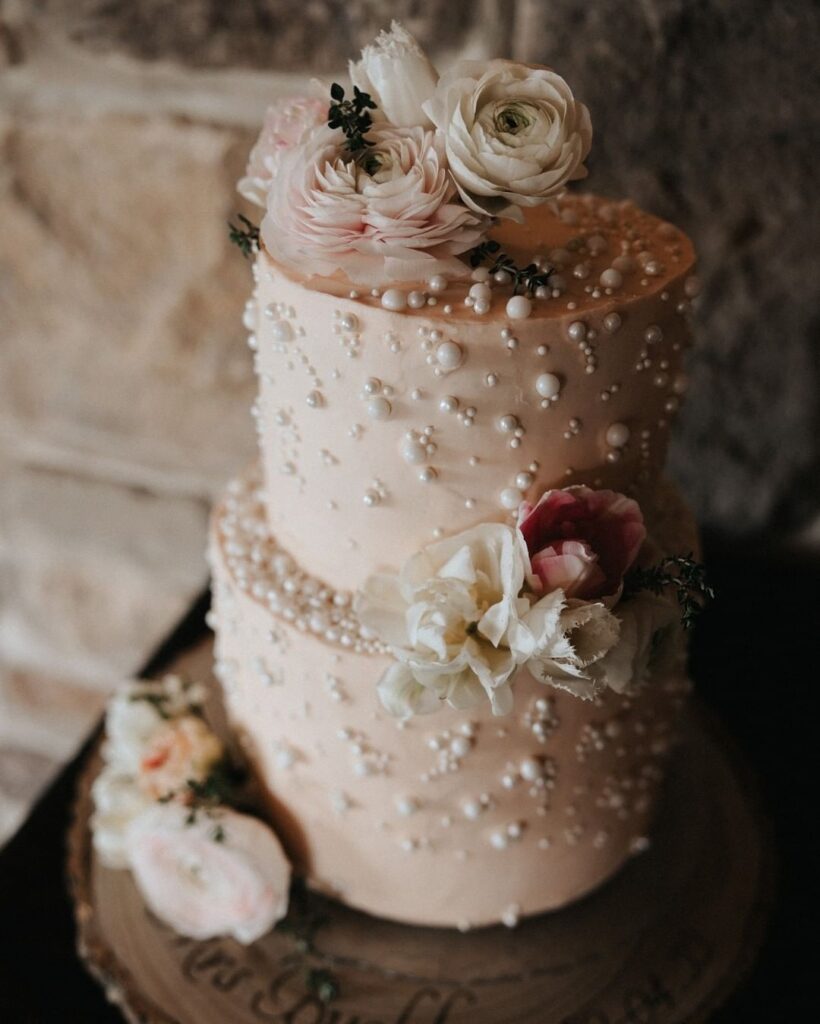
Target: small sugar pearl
524 480
480 291
624 263
531 769
480 274
395 299
459 746
547 385
416 300
437 283
519 307
349 322
596 244
508 423
413 451
612 321
448 404
653 334
691 287
379 408
510 498
427 475
481 306
617 435
612 278
491 380
680 384
577 330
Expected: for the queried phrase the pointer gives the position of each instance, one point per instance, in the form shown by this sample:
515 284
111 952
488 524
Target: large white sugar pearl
449 355
547 385
519 307
379 408
612 278
437 283
510 498
480 291
617 435
395 299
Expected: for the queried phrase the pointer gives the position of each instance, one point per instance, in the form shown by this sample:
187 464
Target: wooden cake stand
663 942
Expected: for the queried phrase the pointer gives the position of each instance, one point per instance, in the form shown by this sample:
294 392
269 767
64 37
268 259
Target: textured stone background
124 379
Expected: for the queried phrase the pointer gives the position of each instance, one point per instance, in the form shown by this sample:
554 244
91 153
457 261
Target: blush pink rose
392 215
581 540
286 124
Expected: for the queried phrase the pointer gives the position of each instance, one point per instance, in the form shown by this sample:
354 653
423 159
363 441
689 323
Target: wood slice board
663 942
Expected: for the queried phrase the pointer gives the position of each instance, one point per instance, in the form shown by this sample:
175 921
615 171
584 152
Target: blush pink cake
449 598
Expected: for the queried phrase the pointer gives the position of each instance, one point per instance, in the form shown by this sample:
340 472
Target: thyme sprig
352 116
245 235
686 576
524 279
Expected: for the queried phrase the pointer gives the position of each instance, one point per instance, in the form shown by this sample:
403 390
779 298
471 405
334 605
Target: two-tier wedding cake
449 599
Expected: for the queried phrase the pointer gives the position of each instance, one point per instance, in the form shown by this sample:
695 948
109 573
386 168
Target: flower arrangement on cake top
558 593
403 179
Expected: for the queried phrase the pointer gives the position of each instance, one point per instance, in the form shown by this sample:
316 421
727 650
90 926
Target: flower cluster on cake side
402 180
560 593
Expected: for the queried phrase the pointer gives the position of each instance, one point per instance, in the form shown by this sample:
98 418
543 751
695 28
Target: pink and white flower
223 873
177 751
515 134
286 124
581 540
393 215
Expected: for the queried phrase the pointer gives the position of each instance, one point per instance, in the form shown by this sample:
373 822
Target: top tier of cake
389 419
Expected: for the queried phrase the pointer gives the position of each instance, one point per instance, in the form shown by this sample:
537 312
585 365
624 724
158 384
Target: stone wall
125 383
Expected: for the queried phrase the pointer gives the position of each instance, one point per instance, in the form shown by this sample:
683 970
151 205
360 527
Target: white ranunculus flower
650 643
456 622
572 656
397 75
515 134
222 873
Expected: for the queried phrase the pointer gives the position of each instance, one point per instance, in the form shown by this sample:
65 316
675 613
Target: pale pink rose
286 124
222 873
581 540
393 215
181 749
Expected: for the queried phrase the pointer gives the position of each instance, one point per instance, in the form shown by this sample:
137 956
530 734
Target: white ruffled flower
573 656
397 75
222 873
154 744
515 134
456 622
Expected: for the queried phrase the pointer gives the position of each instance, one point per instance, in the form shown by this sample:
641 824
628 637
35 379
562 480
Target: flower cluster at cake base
161 811
552 594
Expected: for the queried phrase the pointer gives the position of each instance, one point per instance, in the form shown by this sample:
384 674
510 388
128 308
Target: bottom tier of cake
453 819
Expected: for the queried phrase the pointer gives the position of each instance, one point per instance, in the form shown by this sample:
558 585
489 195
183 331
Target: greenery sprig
245 235
301 924
687 578
352 116
524 279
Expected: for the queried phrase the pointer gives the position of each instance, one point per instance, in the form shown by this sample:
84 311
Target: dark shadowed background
125 382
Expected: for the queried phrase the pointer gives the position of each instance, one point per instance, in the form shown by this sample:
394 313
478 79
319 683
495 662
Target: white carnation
572 656
515 134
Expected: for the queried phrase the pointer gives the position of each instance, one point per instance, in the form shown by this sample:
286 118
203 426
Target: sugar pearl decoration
577 330
510 498
415 300
612 278
612 322
437 283
508 423
449 355
448 404
379 408
480 291
519 307
427 475
617 435
524 480
547 385
282 331
413 450
395 299
349 322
